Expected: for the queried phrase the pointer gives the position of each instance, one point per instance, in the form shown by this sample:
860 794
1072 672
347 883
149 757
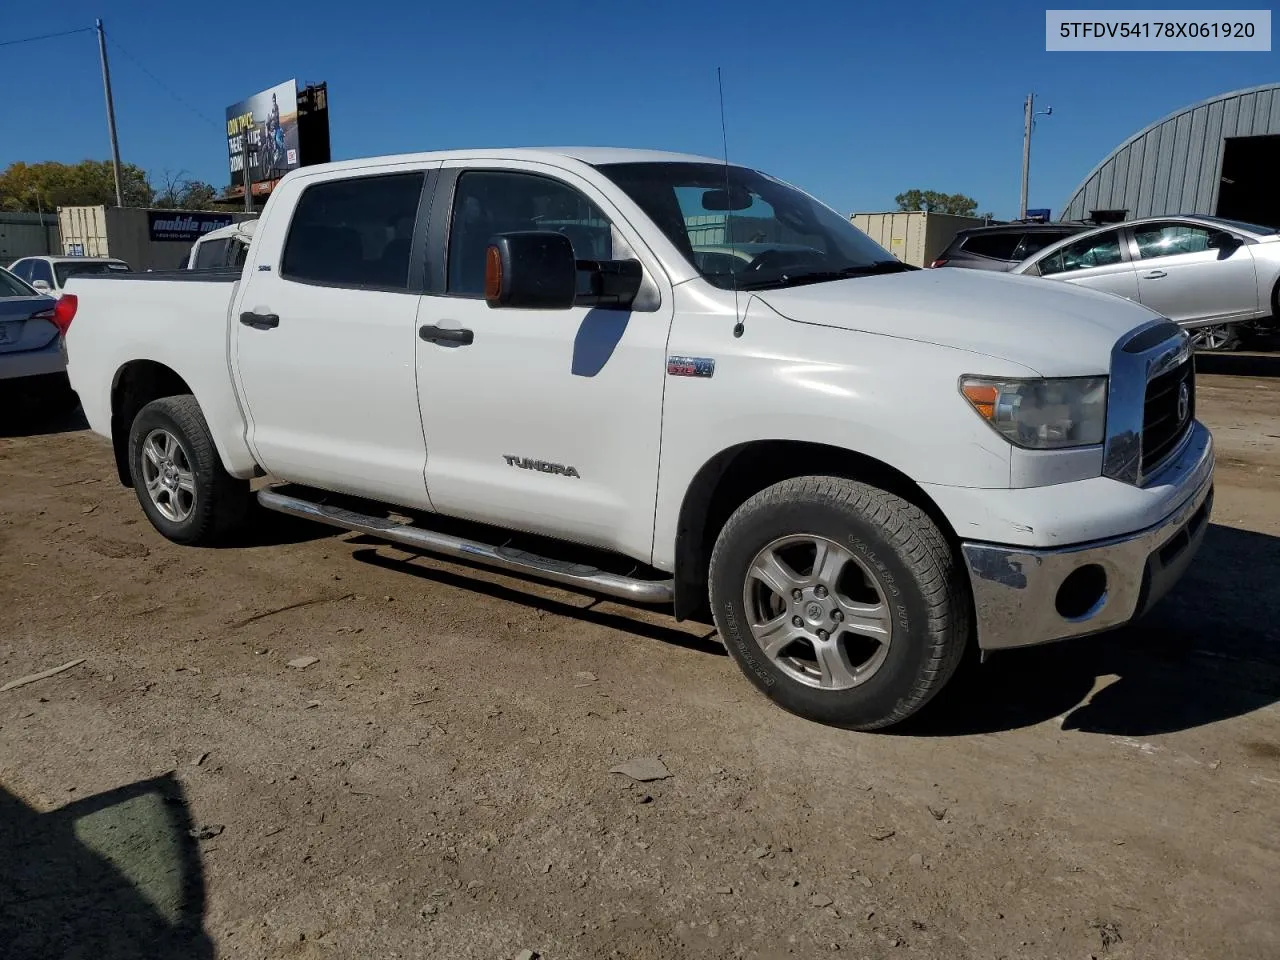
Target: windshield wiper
823 276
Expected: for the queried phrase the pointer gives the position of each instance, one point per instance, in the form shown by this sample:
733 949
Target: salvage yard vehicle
856 468
50 274
1218 278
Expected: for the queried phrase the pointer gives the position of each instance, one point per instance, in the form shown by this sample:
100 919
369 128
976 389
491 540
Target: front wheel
180 481
841 602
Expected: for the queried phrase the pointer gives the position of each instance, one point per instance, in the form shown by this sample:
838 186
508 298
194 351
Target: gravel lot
437 782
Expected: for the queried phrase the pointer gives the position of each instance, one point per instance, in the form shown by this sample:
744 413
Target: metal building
1217 157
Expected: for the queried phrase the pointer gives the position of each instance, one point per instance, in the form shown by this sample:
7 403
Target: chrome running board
577 575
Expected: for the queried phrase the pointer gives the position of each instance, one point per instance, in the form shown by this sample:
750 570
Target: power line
46 36
162 85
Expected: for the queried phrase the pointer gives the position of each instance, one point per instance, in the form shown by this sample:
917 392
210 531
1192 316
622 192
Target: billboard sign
182 226
262 135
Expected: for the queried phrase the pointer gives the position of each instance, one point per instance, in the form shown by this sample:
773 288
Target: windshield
11 286
741 229
66 270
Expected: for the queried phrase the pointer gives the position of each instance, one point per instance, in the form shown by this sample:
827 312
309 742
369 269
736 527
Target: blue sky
853 101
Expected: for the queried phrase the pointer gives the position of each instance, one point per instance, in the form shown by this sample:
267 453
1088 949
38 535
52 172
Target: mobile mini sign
184 227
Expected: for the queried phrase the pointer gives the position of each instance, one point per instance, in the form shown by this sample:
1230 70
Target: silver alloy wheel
166 471
1211 338
818 612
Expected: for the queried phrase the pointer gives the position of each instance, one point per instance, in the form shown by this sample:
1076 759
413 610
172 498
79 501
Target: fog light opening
1082 593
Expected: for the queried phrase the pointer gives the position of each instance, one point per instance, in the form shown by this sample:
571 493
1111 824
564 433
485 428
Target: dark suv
1001 246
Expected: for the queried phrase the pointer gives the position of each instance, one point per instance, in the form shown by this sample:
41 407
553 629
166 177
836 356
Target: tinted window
40 270
211 253
239 252
1095 251
489 202
354 233
22 270
1171 239
11 286
68 269
998 246
1033 243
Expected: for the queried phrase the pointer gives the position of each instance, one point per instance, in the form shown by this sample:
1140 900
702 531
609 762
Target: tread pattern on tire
227 498
925 551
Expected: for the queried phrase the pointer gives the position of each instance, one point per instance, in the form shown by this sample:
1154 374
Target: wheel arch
134 385
732 476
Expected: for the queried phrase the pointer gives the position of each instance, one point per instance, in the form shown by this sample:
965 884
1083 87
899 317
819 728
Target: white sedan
50 274
1212 276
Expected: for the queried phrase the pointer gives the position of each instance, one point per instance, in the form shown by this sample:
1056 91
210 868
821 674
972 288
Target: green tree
935 202
87 183
179 192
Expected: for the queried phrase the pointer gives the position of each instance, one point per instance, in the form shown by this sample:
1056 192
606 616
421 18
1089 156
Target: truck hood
1056 329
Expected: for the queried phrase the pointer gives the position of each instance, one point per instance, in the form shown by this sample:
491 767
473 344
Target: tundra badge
542 466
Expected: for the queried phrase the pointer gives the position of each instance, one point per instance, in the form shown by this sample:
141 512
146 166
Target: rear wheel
1219 336
178 476
843 603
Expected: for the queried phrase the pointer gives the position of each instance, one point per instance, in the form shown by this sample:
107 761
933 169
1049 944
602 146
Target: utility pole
111 114
1029 119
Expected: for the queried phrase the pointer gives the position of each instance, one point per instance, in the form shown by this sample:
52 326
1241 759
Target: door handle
447 335
1154 275
260 321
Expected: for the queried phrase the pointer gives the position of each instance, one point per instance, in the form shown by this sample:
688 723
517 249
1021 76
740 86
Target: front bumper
1022 595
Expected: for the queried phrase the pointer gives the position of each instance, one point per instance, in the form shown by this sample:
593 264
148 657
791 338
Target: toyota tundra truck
670 380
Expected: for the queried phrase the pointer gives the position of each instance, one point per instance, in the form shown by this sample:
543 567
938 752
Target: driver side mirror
537 270
41 286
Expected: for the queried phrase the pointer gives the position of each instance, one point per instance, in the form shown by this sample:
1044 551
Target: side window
22 270
211 253
489 201
354 233
1170 239
239 253
40 270
1096 251
1033 243
998 246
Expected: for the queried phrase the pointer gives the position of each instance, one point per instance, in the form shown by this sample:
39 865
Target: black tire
220 502
928 596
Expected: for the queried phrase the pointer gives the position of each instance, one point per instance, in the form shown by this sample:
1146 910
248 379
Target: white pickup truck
708 381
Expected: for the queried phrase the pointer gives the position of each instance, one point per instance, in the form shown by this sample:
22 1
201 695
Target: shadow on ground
1207 652
115 876
1239 364
34 420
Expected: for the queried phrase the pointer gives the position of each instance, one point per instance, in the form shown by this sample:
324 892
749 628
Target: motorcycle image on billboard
262 135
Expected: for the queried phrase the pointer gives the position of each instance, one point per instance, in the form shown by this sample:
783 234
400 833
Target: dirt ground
437 783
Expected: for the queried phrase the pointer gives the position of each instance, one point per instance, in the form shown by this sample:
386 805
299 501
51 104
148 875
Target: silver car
1216 277
31 356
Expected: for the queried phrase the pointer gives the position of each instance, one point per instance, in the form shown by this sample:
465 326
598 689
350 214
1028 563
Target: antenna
738 327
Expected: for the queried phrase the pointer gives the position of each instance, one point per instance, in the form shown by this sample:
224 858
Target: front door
1192 273
1096 261
544 420
327 331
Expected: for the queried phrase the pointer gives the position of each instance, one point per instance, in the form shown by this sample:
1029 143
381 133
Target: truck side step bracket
580 576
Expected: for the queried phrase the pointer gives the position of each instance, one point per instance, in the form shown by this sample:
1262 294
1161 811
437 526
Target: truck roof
590 155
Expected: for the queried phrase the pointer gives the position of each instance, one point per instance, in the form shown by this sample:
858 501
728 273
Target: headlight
1042 414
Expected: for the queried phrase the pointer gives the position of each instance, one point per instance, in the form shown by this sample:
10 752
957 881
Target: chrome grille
1167 413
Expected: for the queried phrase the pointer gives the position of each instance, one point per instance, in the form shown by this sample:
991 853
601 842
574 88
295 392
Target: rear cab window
69 268
355 233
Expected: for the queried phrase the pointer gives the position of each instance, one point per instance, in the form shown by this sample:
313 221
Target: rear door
1099 261
1193 273
325 333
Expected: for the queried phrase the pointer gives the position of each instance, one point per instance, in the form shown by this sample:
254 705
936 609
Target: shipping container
915 237
146 239
27 235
